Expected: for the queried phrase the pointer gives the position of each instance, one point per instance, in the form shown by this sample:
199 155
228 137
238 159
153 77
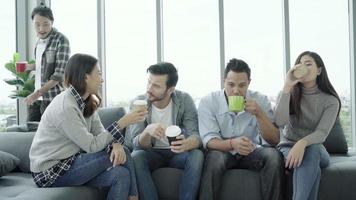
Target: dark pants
36 110
268 161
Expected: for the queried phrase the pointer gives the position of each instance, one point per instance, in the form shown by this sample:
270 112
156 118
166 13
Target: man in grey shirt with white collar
239 139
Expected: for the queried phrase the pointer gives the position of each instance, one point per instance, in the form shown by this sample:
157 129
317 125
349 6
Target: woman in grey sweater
71 146
306 108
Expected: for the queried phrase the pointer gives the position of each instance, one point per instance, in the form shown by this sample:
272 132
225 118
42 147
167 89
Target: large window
130 48
191 43
78 21
322 26
8 47
254 34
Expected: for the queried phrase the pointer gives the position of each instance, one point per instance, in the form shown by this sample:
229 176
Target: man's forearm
144 140
50 84
194 142
268 130
219 144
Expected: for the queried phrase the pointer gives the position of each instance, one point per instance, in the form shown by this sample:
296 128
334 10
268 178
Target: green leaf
16 57
14 81
32 61
11 67
29 85
20 93
23 75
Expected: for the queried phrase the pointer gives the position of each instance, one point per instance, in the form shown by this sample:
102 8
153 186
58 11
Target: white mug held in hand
139 104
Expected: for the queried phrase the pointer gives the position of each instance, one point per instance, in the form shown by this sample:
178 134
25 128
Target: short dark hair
43 11
78 66
237 65
165 68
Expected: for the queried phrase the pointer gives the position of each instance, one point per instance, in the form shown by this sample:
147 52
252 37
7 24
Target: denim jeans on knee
95 169
306 177
147 161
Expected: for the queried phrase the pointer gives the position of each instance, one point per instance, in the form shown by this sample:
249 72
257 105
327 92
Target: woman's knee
316 153
121 174
313 151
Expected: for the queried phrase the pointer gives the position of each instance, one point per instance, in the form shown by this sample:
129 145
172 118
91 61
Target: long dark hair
322 81
78 66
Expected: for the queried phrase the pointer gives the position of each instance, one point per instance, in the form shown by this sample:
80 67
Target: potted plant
24 81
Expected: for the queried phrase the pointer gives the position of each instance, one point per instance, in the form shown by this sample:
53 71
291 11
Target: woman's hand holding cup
294 76
132 117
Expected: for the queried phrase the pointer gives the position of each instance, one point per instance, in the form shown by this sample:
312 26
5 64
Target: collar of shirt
77 97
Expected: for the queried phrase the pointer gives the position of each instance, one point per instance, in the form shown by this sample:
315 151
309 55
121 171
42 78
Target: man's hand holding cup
176 140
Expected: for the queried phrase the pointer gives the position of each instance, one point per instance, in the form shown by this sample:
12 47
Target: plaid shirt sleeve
115 131
62 57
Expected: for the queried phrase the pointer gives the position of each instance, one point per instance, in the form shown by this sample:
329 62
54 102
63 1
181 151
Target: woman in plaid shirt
71 146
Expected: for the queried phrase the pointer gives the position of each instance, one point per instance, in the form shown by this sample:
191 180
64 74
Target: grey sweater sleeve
281 112
75 129
325 124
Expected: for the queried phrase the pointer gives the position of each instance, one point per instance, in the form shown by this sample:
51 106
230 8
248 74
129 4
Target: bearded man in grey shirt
235 139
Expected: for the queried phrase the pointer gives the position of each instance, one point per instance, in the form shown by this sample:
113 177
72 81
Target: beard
153 98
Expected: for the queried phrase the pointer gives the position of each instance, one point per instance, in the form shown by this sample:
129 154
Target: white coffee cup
172 132
139 104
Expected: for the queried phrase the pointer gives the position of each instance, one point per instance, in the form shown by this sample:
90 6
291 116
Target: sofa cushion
18 144
20 186
241 184
110 114
8 162
336 143
167 182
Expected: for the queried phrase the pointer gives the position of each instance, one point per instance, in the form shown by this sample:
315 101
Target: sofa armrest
17 128
18 144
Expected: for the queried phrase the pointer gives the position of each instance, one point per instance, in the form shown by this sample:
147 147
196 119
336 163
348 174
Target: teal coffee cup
236 103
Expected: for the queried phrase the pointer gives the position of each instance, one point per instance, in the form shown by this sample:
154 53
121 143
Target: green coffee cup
236 103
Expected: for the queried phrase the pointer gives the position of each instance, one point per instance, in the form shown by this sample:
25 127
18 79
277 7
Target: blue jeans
95 169
146 161
306 177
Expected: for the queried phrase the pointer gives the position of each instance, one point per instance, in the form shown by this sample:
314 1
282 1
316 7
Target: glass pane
258 41
191 43
8 45
130 48
78 21
322 26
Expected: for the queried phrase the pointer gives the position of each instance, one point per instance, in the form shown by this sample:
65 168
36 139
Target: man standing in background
52 52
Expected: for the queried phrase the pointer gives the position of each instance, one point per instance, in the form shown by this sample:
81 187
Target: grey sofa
338 180
19 185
